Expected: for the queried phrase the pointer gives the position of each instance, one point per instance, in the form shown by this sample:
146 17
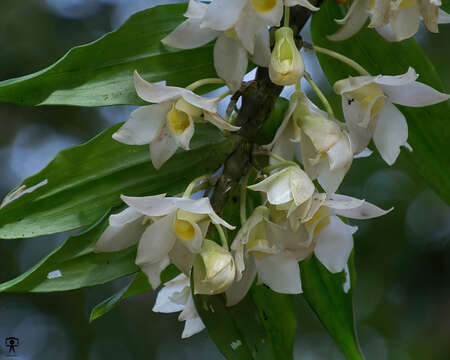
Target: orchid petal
280 272
181 257
153 271
230 61
192 327
354 21
390 133
162 148
155 93
196 10
219 122
143 125
405 22
126 233
415 94
237 291
223 14
190 35
156 241
164 303
334 244
261 54
304 3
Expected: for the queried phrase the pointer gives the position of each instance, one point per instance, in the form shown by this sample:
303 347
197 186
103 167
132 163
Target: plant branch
258 99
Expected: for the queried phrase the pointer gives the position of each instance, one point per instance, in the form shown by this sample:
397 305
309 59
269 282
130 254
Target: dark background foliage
402 295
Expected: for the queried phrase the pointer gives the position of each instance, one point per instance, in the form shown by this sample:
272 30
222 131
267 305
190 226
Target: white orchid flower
230 52
326 150
175 236
288 188
176 296
264 249
248 17
325 146
394 20
169 123
367 102
325 234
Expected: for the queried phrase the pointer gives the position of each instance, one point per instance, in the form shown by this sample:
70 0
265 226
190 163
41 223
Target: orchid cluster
394 20
300 213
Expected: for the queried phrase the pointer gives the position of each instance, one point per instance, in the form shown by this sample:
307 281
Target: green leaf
138 285
101 73
278 316
445 6
74 265
86 181
330 296
428 134
261 327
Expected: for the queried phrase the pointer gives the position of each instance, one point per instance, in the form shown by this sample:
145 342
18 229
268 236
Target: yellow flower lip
264 5
369 96
183 225
320 220
184 230
178 121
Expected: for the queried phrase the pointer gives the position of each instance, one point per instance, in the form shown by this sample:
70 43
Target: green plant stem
243 198
224 95
203 186
202 82
223 237
287 12
190 188
321 96
342 58
270 168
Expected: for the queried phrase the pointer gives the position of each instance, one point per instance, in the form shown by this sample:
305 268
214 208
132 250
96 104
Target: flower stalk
339 57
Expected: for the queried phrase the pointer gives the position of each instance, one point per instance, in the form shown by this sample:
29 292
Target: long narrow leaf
101 73
83 182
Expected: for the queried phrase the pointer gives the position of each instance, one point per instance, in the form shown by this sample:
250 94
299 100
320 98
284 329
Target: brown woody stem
258 99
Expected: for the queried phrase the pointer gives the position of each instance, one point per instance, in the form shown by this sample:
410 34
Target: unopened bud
286 64
214 269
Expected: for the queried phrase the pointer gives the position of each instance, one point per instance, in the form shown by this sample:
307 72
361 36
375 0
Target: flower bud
214 269
286 64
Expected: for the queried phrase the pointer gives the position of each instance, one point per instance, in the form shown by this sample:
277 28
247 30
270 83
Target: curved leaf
330 296
74 265
101 73
85 181
138 285
428 134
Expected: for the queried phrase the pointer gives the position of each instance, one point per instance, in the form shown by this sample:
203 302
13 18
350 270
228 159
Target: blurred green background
402 296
